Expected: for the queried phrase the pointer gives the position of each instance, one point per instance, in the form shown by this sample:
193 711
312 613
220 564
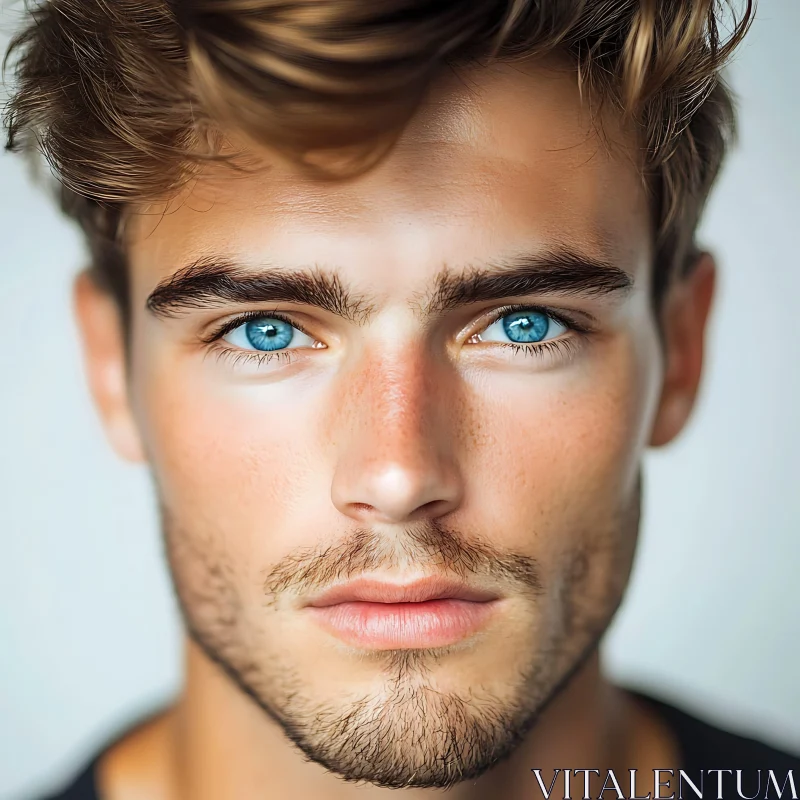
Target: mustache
431 544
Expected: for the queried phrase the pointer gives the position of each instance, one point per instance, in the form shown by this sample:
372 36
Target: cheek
231 459
558 453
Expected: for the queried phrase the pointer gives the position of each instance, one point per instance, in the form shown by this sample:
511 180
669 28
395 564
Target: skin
409 431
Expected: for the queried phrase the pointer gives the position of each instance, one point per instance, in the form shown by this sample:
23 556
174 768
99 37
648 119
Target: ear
105 359
685 316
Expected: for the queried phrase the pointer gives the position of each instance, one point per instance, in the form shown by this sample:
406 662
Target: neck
216 742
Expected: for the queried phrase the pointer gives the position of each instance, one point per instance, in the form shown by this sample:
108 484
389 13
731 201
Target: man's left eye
524 327
267 334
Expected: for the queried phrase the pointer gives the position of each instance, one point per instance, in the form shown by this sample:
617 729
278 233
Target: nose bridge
395 432
399 389
391 403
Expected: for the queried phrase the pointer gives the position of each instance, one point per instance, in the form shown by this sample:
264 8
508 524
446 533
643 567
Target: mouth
375 615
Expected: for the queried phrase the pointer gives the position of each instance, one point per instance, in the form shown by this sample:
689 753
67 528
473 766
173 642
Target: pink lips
431 612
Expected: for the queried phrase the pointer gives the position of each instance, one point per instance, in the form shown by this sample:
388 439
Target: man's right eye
266 334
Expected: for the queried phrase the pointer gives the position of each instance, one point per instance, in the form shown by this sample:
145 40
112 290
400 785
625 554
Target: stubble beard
409 733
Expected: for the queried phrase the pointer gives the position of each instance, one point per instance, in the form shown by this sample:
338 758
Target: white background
88 630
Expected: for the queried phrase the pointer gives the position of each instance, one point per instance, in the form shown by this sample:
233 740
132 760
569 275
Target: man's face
423 431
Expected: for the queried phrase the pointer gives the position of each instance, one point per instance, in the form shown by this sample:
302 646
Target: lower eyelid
551 352
236 356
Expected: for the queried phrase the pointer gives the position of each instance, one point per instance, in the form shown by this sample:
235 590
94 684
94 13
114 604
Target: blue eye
525 327
267 334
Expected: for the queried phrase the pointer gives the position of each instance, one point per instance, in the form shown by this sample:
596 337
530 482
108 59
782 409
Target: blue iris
268 333
526 326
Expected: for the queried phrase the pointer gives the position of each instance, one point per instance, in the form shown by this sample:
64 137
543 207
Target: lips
372 591
431 612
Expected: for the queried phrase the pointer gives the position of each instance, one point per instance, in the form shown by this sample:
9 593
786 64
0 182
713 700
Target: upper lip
366 590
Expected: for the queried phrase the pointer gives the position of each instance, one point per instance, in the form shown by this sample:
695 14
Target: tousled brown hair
126 97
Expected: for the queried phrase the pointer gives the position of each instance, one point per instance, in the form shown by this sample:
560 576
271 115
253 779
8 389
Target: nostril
429 507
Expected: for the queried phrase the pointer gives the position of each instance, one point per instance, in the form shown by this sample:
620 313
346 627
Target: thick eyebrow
561 272
211 281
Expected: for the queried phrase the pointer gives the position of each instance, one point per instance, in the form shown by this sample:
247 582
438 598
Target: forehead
508 157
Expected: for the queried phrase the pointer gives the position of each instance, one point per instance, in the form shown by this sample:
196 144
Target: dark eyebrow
209 281
561 272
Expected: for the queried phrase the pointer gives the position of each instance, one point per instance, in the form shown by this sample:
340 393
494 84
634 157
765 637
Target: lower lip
391 626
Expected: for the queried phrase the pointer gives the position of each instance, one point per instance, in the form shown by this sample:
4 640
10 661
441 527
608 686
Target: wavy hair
125 98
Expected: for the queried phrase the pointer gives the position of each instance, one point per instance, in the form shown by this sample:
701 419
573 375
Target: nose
395 429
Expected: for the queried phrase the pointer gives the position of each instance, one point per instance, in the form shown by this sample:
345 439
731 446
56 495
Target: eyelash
554 347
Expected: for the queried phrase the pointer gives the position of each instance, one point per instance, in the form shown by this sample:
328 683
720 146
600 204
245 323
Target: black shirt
703 747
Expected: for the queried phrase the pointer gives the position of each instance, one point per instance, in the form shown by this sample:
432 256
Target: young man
391 297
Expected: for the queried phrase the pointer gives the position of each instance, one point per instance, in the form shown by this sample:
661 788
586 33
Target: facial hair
408 733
